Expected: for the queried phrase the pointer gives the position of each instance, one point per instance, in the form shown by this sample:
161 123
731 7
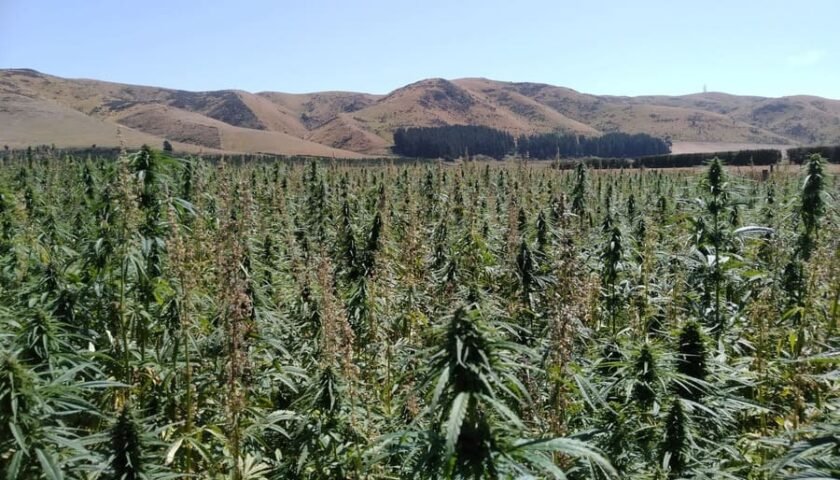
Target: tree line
737 158
610 145
800 155
453 141
734 158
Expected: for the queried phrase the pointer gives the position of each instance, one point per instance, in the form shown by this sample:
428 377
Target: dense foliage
610 145
456 141
452 141
168 318
734 158
800 155
682 160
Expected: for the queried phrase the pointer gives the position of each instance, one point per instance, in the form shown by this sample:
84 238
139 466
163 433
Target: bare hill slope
37 108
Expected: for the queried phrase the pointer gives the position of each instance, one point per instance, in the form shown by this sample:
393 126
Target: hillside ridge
38 108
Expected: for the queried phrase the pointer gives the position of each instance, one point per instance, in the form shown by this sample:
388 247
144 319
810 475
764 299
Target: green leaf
173 449
456 418
13 467
18 435
48 465
571 447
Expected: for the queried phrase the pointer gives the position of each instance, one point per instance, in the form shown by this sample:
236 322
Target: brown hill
674 120
39 108
436 102
25 121
43 109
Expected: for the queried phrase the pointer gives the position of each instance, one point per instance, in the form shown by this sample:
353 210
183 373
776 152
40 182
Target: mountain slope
66 112
674 120
26 121
40 108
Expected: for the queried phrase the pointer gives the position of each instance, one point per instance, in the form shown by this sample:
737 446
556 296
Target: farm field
179 318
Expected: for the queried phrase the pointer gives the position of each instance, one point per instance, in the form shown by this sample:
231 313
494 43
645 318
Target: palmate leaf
828 358
539 460
253 468
443 379
49 467
813 476
504 412
814 456
13 467
19 437
457 412
820 468
566 446
591 396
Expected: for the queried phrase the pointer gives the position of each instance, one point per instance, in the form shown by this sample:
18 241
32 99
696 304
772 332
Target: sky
673 47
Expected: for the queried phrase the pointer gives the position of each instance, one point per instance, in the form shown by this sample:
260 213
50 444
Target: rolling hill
37 108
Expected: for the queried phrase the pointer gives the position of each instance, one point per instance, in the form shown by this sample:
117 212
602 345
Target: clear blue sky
761 47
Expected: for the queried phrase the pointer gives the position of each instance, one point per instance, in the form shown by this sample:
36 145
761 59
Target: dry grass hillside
435 102
631 115
25 121
40 108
